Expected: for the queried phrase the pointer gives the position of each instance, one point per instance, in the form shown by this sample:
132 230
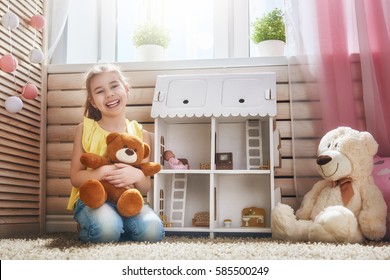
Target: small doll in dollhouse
173 162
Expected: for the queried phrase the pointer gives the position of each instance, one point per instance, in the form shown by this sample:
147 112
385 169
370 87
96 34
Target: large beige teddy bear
345 207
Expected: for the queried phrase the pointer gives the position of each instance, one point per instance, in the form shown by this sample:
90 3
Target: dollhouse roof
206 95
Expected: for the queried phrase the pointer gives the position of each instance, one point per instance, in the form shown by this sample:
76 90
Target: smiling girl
105 112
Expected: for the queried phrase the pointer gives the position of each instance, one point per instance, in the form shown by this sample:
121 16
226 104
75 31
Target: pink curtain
341 48
374 44
339 105
335 76
341 28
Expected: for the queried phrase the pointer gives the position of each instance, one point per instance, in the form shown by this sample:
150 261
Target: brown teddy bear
121 148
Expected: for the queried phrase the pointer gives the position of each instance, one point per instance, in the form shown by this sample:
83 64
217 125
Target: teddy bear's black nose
129 152
322 160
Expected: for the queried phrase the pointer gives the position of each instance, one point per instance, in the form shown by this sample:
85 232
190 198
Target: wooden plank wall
66 97
307 128
21 208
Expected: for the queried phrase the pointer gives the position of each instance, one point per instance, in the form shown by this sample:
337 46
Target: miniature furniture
224 161
215 118
253 217
201 219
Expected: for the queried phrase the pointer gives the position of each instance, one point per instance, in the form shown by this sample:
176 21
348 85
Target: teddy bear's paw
376 234
92 193
283 222
92 160
374 228
130 203
335 224
150 168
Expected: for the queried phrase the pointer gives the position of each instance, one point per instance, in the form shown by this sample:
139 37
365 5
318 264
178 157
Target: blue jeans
104 224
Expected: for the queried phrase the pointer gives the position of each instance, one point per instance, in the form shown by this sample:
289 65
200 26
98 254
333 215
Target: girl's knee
146 226
98 233
100 225
155 231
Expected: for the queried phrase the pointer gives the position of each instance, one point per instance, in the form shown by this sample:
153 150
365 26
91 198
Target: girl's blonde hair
89 110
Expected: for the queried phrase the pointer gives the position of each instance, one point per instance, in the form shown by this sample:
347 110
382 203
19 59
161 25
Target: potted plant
269 33
151 40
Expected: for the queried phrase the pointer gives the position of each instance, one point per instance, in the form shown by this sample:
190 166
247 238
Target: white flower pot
271 48
150 53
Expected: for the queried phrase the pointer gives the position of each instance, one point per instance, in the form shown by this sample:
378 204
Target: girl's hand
124 176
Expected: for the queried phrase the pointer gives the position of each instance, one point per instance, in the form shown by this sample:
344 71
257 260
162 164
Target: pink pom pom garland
10 21
30 91
9 63
13 104
38 22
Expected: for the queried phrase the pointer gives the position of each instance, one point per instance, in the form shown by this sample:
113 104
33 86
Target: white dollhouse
223 126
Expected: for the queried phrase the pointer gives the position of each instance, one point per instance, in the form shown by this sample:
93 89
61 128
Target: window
201 29
190 24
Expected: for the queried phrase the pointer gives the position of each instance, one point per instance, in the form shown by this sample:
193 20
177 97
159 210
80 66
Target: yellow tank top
94 141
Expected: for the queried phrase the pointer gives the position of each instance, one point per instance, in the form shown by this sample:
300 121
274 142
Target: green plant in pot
269 30
150 39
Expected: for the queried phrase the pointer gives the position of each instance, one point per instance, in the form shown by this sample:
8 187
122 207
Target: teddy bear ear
371 144
111 137
146 150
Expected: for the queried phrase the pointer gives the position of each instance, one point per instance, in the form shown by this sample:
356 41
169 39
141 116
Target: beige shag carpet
65 246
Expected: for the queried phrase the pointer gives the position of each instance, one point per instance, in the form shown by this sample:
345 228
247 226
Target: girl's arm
78 172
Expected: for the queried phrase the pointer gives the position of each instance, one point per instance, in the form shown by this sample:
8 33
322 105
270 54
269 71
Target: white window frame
231 30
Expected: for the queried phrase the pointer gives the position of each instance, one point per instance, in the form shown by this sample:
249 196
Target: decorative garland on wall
9 64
